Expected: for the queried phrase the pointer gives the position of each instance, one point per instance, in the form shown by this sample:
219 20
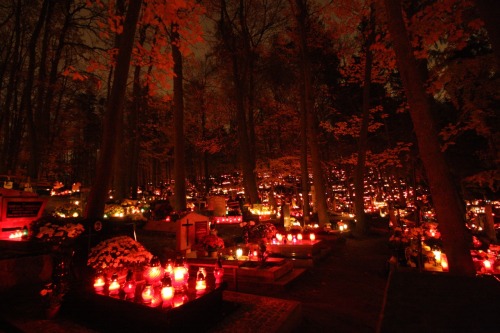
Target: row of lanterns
161 285
292 239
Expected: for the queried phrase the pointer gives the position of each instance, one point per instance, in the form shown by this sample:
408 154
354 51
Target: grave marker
189 230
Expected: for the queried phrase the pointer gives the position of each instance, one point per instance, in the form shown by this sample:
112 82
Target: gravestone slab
190 229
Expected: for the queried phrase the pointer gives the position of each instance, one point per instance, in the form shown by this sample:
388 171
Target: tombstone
285 213
17 210
190 229
218 205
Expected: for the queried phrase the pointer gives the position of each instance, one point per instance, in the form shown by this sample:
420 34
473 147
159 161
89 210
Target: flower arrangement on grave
211 243
262 231
68 210
114 210
56 232
246 228
118 254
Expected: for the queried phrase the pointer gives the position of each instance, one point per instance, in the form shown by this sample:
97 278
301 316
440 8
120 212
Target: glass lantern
153 272
147 293
129 285
99 282
114 286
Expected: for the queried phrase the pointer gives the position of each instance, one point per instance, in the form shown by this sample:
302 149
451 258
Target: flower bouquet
56 232
211 243
118 254
263 231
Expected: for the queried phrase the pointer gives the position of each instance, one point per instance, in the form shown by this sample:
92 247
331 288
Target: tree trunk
359 175
134 140
7 114
119 173
26 103
449 210
179 160
312 130
97 196
303 156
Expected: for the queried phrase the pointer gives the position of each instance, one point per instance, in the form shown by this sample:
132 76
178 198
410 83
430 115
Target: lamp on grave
129 285
279 237
147 293
312 237
99 282
153 272
180 276
167 291
169 268
201 283
114 286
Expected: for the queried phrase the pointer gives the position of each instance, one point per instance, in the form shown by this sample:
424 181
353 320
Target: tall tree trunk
240 67
97 196
134 125
449 209
312 129
359 176
119 179
304 172
46 109
179 158
6 116
26 102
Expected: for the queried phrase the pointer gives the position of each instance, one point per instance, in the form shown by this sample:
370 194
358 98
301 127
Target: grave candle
147 293
129 285
179 277
153 272
201 284
114 286
299 237
312 237
279 237
169 267
99 283
167 291
289 237
239 253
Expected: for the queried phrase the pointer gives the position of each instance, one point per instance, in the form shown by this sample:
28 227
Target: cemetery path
344 292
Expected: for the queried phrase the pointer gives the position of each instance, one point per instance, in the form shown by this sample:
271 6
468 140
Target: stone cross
187 225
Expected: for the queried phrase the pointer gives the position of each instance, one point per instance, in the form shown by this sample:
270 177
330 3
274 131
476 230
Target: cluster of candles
162 285
292 238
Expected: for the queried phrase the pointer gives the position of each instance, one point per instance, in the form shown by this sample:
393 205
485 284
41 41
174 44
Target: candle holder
129 285
167 291
154 272
99 283
201 283
180 277
114 286
147 293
